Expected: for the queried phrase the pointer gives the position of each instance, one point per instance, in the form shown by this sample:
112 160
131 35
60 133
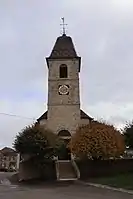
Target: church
64 115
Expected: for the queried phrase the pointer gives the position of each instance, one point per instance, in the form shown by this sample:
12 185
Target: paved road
4 176
59 191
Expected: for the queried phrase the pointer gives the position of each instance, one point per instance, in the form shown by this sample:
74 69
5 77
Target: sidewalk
106 187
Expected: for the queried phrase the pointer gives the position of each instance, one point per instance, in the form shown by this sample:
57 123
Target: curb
106 187
10 186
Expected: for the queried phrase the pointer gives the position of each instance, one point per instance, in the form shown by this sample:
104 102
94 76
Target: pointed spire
63 48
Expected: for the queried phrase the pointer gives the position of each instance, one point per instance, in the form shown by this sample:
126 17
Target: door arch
65 134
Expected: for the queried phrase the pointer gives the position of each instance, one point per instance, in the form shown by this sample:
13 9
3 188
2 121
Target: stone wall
64 117
54 81
63 110
28 171
66 122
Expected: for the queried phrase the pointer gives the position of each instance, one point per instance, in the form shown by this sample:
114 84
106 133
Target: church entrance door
65 153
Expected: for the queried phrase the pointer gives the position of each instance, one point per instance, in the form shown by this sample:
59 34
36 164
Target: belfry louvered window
63 71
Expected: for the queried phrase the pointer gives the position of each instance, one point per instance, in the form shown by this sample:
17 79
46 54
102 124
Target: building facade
64 114
8 159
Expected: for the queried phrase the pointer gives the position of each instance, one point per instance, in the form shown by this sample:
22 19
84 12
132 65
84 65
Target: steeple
63 48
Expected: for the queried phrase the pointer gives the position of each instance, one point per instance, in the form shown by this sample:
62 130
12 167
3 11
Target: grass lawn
124 181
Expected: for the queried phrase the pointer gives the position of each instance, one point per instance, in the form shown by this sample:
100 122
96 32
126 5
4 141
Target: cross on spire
63 25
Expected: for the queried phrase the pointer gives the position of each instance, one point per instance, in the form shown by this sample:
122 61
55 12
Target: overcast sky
102 31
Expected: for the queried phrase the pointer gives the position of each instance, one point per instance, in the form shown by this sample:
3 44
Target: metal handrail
75 166
57 167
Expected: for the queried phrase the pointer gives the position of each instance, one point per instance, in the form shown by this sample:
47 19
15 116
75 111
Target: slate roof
63 48
43 117
83 115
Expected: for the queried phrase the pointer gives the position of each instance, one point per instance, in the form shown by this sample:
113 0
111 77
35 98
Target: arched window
63 71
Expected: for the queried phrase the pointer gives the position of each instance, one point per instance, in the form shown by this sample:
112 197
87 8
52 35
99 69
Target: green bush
39 143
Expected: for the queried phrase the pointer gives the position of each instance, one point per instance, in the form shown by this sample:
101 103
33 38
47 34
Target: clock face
63 90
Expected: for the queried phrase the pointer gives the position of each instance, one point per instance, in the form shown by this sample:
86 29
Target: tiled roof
83 115
7 151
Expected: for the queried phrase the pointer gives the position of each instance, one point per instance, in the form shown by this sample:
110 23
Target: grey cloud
102 32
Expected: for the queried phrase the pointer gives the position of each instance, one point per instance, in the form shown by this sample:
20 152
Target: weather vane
63 25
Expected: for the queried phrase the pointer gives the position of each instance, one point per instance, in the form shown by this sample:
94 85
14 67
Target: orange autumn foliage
98 141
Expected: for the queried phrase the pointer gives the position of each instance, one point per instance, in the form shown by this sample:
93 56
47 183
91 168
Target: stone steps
66 171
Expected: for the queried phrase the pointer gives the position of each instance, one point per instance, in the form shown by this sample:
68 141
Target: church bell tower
63 86
63 115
